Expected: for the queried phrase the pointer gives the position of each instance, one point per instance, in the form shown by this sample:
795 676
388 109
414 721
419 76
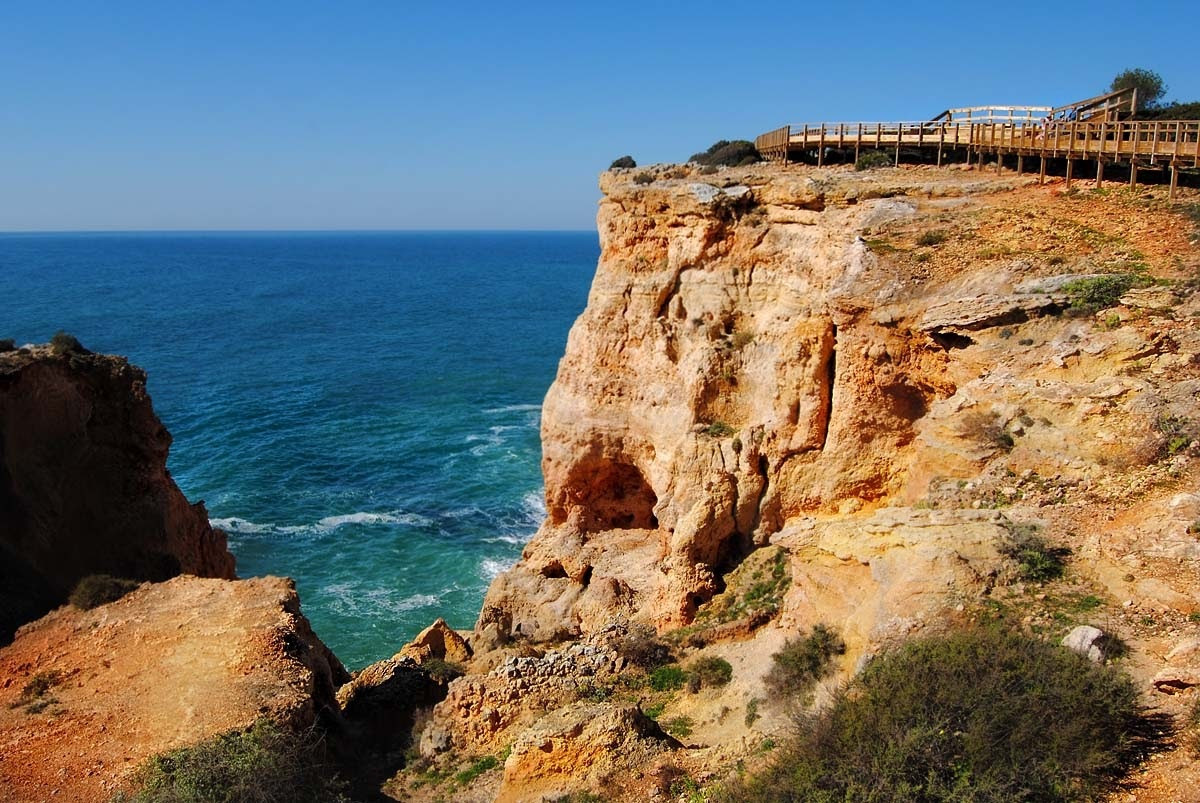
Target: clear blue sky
252 115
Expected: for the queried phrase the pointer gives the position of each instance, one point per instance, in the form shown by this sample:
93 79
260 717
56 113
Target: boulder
437 642
1087 641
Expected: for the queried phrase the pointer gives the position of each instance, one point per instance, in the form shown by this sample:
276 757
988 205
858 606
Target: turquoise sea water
359 411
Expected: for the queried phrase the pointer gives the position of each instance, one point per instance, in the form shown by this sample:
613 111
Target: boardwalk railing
1150 140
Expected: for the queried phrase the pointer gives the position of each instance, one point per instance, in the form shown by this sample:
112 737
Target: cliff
803 396
84 486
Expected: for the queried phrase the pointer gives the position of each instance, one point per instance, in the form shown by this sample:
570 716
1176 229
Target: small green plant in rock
988 428
1178 431
477 768
668 678
641 647
1099 292
742 339
802 662
35 694
752 714
100 589
719 429
934 237
1194 528
1038 561
643 178
679 727
442 671
712 671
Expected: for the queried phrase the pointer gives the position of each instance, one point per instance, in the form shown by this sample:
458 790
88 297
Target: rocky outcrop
582 746
484 711
170 664
438 642
745 357
84 486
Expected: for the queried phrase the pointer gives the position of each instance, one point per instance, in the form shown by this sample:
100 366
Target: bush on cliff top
978 715
728 154
8 344
100 589
63 343
262 765
622 162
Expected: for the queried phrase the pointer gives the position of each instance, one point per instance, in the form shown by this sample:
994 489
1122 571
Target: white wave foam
234 524
491 569
365 518
533 504
513 408
357 599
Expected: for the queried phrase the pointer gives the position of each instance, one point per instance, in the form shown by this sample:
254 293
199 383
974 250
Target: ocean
359 411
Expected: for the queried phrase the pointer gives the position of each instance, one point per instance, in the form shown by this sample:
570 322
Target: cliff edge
84 486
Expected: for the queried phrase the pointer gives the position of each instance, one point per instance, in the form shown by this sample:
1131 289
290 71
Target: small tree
623 162
1149 85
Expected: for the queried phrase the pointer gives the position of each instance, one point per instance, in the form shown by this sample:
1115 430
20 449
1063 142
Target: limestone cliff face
744 358
84 486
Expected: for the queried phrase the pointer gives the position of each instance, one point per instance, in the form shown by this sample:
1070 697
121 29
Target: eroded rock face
84 487
744 358
168 665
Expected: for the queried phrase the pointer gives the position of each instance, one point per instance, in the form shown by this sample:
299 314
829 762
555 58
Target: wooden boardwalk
1094 129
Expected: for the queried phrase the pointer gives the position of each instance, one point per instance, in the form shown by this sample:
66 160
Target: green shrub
1098 292
752 714
643 178
802 662
719 429
34 694
978 715
63 343
443 671
622 162
477 768
668 678
1178 433
932 237
869 160
988 428
100 589
724 153
641 647
1039 562
679 727
712 671
8 344
261 764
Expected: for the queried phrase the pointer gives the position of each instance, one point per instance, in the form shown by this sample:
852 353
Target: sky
395 115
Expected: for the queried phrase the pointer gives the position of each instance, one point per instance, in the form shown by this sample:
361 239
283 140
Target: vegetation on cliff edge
978 715
264 764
